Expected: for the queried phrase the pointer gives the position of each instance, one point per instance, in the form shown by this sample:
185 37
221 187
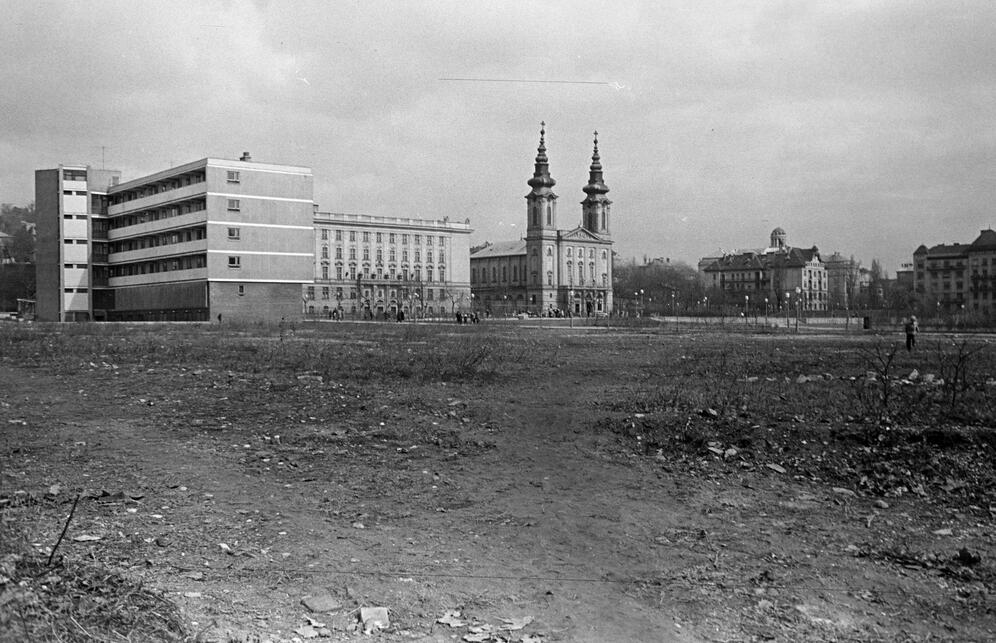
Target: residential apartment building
551 270
957 277
370 266
771 278
207 240
71 242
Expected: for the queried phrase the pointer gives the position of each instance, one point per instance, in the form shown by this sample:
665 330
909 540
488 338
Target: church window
591 270
549 278
580 273
515 273
504 273
549 214
494 274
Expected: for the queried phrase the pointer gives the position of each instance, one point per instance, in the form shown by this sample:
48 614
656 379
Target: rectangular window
234 234
242 290
442 241
233 176
390 238
352 235
418 239
380 237
338 235
366 237
325 292
325 235
338 272
233 205
234 261
404 239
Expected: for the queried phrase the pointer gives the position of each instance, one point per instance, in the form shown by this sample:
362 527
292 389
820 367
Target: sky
863 127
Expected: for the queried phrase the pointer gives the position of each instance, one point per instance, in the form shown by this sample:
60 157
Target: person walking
911 328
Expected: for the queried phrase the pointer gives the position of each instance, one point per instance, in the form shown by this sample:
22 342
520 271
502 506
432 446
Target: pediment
580 234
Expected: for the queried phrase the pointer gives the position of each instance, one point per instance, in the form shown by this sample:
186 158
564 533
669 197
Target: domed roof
778 231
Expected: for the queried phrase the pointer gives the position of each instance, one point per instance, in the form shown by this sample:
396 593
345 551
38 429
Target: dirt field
499 483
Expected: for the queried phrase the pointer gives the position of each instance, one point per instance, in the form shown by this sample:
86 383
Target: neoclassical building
550 270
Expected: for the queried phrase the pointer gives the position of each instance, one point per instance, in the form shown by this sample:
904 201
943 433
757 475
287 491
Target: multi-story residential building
209 239
957 277
772 278
551 269
71 242
371 266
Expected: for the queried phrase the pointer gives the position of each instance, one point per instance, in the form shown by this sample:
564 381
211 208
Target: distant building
551 270
957 277
221 239
774 277
368 266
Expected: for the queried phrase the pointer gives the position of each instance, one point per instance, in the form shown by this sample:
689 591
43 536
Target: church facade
551 271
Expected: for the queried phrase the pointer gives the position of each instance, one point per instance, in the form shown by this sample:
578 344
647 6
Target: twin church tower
552 270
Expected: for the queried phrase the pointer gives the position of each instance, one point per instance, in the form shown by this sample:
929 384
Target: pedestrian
911 328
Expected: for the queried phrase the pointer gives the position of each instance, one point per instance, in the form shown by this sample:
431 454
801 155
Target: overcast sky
860 127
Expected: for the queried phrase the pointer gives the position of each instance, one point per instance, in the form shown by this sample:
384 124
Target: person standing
911 328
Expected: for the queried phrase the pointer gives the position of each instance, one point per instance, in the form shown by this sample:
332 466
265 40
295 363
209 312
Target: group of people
467 318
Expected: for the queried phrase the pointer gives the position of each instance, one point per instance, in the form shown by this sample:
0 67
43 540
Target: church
551 271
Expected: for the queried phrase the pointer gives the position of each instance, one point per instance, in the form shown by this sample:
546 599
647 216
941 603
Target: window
366 254
338 235
325 272
325 292
352 235
390 238
233 205
338 272
338 253
366 237
234 234
234 261
442 242
233 176
428 254
325 235
242 290
380 237
428 240
352 254
311 293
325 252
442 274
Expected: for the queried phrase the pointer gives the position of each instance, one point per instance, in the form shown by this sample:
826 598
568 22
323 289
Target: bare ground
535 491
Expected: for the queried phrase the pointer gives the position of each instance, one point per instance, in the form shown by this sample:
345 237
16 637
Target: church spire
541 174
596 184
595 207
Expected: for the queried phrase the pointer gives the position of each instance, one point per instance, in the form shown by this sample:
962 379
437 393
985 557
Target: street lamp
788 304
798 304
765 311
570 306
746 309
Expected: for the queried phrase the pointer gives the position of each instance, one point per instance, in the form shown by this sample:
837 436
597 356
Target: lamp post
570 306
746 309
765 311
788 304
798 304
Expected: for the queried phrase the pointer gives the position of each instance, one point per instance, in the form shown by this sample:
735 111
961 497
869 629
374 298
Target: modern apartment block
957 277
71 241
207 240
370 266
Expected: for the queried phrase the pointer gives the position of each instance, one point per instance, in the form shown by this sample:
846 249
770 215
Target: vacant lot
493 483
